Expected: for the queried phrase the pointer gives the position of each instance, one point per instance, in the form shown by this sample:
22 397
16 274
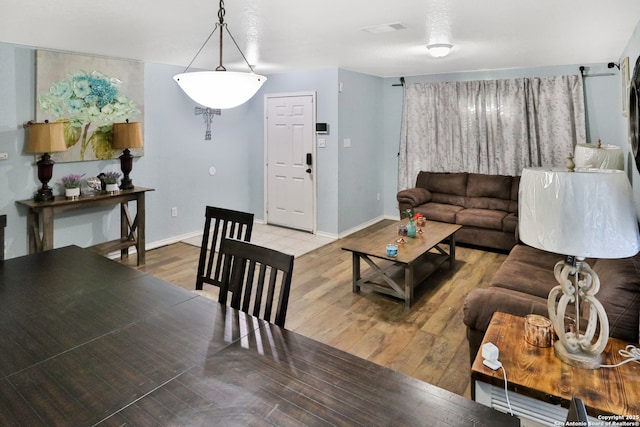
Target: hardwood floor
427 342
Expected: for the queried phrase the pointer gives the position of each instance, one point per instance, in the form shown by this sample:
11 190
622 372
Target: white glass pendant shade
219 89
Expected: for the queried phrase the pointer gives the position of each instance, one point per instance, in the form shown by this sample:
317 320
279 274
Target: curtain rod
399 84
610 65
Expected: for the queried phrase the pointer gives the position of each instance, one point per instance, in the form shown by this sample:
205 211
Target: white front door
290 160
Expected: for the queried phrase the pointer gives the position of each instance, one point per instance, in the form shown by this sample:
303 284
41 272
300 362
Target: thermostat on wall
322 128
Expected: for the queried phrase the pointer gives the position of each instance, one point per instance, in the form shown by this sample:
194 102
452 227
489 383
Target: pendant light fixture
220 89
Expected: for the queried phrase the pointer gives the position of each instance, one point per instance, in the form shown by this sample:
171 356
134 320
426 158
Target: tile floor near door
282 239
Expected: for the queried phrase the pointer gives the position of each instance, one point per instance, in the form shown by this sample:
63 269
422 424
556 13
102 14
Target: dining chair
254 275
219 223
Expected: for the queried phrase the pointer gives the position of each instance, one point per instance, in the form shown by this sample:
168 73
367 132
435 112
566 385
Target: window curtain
495 127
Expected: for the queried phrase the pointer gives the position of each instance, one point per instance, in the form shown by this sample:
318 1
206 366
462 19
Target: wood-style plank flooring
427 341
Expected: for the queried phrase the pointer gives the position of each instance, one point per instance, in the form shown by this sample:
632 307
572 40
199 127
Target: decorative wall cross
207 115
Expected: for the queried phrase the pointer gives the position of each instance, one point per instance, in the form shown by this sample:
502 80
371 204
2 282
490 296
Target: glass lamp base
581 359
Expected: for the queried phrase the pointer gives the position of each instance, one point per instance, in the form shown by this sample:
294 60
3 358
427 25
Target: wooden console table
132 230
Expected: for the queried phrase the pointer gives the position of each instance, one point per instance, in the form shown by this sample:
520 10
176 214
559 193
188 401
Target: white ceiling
291 35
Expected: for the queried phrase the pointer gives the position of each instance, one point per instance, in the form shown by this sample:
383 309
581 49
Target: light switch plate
347 142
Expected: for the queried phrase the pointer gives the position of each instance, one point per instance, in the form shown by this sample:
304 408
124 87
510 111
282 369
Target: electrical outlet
4 156
174 212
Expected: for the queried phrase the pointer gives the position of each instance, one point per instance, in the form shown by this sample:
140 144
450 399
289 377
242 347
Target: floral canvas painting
88 94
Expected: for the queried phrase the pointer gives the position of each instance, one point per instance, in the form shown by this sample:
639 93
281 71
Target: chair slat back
219 223
254 275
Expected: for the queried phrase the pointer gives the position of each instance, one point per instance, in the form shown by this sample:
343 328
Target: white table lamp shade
587 213
604 157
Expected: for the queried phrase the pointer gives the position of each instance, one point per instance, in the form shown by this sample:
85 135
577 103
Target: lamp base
126 165
44 194
126 183
581 359
578 284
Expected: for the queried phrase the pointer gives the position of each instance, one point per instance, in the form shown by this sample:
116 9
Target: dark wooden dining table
88 341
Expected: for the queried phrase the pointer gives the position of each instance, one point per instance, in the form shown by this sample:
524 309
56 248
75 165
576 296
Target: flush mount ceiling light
220 88
439 50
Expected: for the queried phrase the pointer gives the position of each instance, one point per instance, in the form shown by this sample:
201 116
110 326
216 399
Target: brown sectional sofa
485 205
522 283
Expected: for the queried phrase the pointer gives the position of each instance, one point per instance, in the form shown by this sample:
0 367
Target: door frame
314 145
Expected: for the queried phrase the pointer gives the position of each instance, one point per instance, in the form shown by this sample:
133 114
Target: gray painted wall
360 189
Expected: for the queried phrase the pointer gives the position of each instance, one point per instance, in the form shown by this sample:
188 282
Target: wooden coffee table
417 258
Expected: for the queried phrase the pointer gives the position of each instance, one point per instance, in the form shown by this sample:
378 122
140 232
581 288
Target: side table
132 229
541 386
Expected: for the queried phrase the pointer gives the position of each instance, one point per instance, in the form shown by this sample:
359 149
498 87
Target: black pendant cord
220 24
201 47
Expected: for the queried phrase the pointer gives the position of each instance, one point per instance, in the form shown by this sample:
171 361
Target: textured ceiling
288 35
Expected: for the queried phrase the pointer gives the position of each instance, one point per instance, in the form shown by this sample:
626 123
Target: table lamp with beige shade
127 135
45 138
584 214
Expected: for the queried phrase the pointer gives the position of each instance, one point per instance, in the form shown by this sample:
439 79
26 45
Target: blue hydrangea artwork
88 103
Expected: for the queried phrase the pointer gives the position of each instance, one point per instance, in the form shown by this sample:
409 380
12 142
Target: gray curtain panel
490 126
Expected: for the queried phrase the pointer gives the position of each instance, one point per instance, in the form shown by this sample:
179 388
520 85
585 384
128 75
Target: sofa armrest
414 196
480 304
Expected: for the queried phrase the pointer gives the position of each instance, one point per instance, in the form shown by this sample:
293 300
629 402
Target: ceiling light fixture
439 50
220 88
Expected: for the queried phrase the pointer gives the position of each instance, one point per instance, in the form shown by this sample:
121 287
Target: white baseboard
360 227
175 239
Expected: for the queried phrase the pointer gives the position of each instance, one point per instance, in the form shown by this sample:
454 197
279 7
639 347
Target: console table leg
124 228
140 219
40 239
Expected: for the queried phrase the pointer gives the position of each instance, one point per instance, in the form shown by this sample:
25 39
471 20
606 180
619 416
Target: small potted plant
411 226
111 181
71 184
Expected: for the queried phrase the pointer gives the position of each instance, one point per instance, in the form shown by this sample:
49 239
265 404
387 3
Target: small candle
392 249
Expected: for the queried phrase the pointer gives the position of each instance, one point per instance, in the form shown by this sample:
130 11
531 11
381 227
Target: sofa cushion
620 295
515 187
510 223
439 212
493 186
443 182
487 203
484 218
527 270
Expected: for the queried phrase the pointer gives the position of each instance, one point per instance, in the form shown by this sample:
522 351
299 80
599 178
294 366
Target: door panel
290 135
